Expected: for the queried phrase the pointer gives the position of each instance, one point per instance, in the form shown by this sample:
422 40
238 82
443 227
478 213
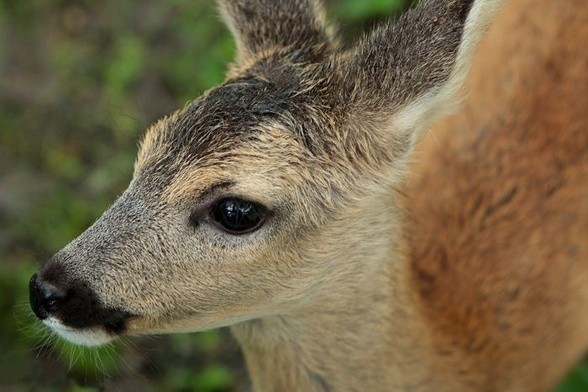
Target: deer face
207 226
226 218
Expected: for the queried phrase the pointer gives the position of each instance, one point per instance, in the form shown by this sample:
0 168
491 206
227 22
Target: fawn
283 203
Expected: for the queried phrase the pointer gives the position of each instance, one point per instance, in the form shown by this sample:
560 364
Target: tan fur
472 277
187 182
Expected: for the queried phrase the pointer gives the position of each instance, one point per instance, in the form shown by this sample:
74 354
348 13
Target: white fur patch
82 337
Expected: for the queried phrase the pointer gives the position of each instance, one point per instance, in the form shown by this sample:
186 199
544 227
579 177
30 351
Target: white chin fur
82 337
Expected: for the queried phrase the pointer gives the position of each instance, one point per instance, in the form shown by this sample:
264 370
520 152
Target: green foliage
577 380
211 377
354 10
79 82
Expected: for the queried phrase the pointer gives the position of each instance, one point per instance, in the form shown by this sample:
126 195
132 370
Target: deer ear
262 26
406 74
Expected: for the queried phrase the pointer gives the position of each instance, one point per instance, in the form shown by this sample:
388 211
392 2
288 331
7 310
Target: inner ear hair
408 73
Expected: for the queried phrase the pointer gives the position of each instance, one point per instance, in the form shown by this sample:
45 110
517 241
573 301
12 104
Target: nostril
52 297
44 297
50 292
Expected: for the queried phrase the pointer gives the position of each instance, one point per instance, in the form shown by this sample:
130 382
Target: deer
355 237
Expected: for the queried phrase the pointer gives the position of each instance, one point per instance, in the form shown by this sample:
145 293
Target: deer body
507 228
272 205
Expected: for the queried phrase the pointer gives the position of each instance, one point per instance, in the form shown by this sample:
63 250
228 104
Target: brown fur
499 241
475 279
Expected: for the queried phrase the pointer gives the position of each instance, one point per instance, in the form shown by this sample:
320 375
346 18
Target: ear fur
264 26
407 74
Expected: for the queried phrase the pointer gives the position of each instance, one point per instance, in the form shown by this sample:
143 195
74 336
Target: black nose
44 297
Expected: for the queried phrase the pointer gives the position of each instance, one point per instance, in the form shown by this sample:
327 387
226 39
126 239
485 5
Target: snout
71 308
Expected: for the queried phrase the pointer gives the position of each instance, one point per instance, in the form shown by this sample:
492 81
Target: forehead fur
233 115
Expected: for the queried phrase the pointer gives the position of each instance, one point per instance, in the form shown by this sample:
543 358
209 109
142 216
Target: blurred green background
79 83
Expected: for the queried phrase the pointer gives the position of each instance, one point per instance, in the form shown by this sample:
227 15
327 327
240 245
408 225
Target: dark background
80 81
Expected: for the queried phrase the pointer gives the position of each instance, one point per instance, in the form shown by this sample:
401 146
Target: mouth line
56 324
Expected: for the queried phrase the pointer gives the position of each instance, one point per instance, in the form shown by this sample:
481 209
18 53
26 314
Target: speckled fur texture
465 272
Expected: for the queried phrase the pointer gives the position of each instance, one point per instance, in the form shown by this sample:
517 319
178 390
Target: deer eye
238 216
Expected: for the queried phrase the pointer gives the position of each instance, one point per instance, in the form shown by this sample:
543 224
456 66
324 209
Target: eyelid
210 195
214 188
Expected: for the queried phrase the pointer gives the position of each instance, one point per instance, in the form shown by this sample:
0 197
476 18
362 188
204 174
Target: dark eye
238 216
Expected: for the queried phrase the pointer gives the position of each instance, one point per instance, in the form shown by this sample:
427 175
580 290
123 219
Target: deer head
246 202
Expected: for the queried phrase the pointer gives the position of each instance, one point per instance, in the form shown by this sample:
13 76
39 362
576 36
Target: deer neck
359 331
